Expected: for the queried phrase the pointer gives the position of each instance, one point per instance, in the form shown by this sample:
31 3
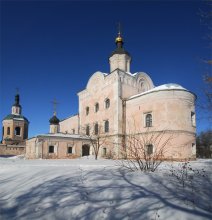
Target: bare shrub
145 151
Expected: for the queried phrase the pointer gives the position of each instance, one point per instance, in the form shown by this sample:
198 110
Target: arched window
96 129
107 126
148 120
51 149
96 107
149 149
87 130
87 110
8 130
107 103
17 131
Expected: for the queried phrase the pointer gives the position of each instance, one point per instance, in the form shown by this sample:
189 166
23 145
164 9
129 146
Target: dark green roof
11 116
54 120
120 50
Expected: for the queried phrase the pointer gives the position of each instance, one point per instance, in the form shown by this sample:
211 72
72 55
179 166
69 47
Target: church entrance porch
85 150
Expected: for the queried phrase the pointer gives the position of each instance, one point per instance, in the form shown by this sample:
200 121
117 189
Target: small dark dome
54 120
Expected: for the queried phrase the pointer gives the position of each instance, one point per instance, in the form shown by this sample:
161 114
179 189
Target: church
117 105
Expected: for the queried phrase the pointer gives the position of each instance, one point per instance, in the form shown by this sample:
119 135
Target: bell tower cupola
54 121
120 58
16 108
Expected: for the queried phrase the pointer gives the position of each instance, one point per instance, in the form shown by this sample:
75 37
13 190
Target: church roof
169 86
119 50
16 117
62 135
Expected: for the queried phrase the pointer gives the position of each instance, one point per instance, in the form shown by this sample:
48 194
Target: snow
88 189
169 86
63 135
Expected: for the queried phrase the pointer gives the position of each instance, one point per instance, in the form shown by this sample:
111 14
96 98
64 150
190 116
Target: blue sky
49 49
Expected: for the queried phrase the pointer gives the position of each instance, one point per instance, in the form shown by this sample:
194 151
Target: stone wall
12 149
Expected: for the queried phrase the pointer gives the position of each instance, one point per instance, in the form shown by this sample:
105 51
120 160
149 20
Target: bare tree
97 137
145 151
206 21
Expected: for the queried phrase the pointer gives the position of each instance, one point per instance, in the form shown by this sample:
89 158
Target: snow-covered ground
88 189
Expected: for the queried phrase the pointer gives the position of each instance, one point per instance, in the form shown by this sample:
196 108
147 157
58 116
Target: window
87 130
87 110
69 150
73 131
193 119
96 107
104 151
51 149
107 126
149 149
17 131
2 131
8 131
107 103
148 120
96 128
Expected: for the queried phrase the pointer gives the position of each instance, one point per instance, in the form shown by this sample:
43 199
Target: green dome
54 120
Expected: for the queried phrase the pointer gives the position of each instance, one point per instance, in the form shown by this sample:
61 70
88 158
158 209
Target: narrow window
2 131
87 110
51 149
17 131
73 131
69 150
87 130
104 151
96 107
96 129
193 119
149 149
8 131
107 126
148 120
107 103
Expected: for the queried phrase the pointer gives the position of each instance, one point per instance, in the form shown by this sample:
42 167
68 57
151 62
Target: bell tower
120 58
15 125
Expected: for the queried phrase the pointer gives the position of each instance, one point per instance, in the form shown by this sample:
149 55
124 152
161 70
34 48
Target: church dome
54 120
119 46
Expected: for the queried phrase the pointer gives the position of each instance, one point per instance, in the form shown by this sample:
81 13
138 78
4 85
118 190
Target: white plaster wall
70 124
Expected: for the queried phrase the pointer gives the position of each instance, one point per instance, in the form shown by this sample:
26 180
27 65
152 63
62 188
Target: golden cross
55 103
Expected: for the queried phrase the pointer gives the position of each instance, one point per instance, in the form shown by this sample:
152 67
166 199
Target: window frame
69 147
96 108
107 103
193 119
87 110
106 126
87 130
148 151
8 130
16 132
96 128
50 149
148 121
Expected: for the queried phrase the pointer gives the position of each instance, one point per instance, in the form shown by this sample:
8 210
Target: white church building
119 104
